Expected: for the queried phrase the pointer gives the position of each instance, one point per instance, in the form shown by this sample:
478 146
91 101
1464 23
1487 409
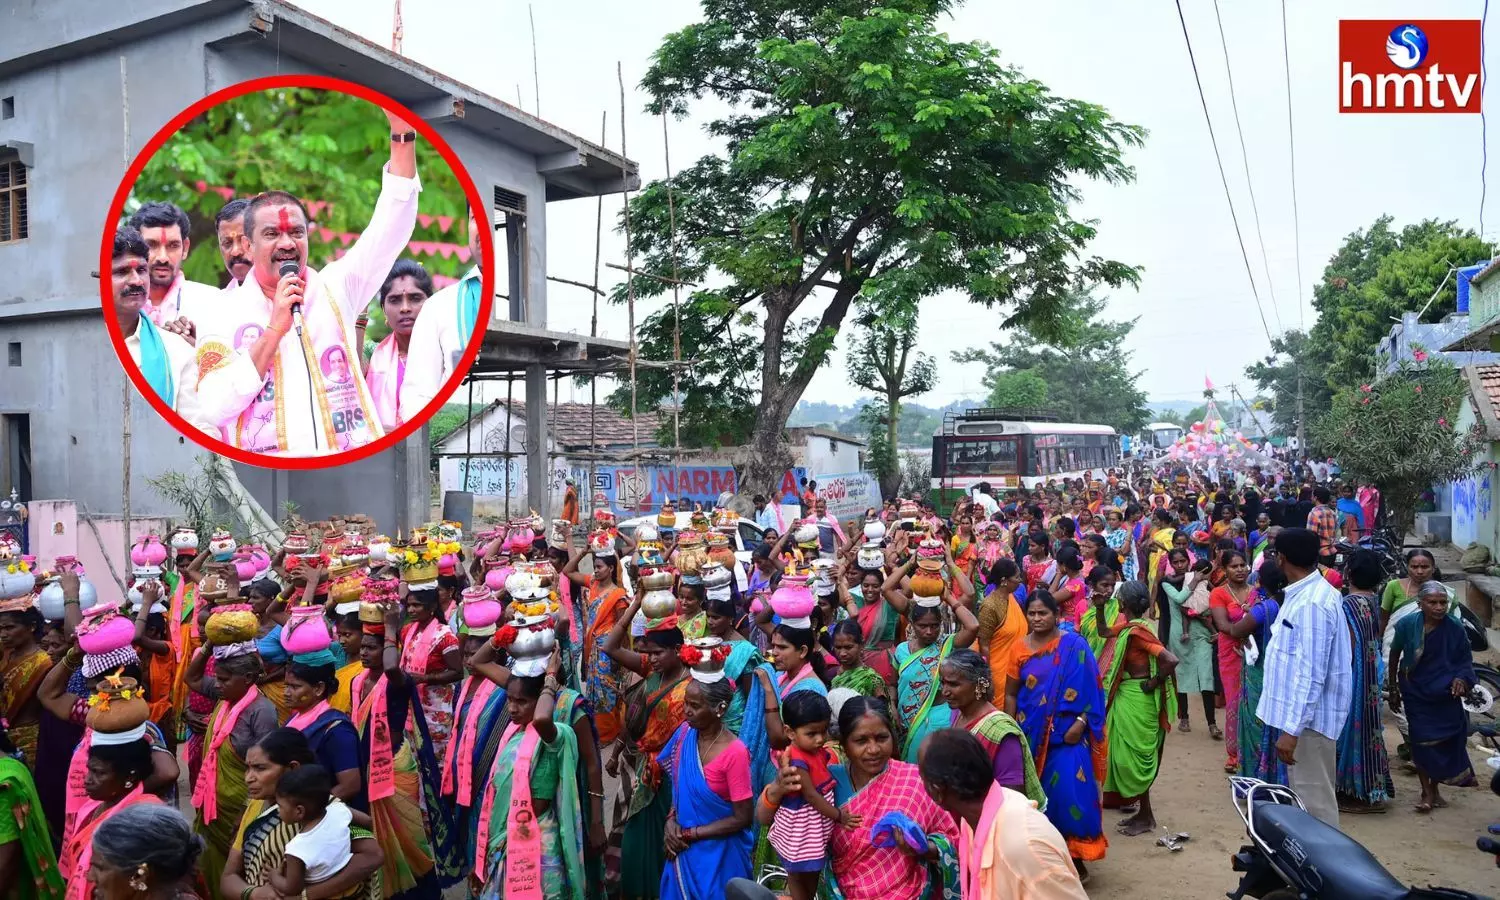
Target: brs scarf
206 793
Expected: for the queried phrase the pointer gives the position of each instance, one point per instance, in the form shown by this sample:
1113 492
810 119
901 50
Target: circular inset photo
292 272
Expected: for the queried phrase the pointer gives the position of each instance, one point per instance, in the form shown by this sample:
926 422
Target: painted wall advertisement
849 495
634 490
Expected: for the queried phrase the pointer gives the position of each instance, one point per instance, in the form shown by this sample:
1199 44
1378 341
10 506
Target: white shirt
229 383
1309 668
184 299
987 503
434 351
324 848
184 365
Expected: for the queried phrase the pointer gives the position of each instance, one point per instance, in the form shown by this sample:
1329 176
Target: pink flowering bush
1398 432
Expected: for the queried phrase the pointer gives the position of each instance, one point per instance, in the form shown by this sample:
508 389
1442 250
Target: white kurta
435 349
184 364
297 409
184 299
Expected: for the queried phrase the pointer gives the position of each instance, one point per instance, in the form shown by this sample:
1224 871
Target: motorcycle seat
1347 870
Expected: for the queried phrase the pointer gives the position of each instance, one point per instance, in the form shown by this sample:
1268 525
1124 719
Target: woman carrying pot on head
530 822
241 716
1141 705
866 603
1056 697
968 703
432 661
260 843
742 659
710 833
604 608
917 658
919 862
26 854
119 761
264 599
22 669
311 680
413 827
653 710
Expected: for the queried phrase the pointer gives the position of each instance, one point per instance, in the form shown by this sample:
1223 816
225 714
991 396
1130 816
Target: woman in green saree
1141 704
854 673
917 658
28 863
509 850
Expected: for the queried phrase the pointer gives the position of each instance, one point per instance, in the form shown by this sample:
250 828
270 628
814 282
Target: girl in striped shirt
804 822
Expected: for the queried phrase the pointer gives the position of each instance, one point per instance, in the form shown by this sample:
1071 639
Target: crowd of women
941 706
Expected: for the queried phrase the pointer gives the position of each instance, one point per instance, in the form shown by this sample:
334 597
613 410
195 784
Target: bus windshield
981 457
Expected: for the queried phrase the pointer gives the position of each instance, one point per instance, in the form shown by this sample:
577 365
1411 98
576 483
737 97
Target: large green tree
884 359
1376 275
868 159
1083 364
322 146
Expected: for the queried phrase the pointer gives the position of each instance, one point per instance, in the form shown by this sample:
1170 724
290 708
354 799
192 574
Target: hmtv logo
1428 66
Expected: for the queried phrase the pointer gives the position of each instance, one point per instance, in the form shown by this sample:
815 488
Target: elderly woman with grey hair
145 852
968 695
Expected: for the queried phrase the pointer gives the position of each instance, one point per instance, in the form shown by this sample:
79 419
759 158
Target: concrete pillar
537 439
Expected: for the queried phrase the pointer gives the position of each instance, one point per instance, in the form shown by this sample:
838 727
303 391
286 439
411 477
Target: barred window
14 225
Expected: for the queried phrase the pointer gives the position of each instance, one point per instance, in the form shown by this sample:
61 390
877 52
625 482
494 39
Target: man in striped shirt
1309 681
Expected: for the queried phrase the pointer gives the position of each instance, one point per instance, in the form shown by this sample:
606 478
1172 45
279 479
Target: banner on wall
636 490
849 495
790 489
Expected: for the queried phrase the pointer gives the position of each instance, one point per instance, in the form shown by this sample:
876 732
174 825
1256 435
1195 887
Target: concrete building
83 86
1411 333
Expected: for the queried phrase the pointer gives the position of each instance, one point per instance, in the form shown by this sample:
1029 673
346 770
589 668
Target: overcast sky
1197 314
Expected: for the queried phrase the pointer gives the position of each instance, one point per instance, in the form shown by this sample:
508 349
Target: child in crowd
804 822
320 849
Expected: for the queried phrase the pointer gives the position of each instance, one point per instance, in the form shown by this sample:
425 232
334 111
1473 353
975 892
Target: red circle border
486 268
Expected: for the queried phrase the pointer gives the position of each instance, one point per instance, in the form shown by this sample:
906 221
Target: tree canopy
325 147
1276 376
870 162
884 360
1085 369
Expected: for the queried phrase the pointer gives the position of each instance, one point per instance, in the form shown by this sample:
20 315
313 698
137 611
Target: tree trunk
890 476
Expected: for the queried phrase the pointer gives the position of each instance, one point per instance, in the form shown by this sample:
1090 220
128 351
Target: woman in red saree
1227 605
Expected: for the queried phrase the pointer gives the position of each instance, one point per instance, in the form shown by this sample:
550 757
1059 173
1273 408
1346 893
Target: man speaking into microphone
261 351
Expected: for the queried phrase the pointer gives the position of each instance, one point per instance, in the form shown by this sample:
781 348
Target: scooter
1483 700
1294 856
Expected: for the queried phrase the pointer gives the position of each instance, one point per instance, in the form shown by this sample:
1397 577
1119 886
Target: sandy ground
1193 796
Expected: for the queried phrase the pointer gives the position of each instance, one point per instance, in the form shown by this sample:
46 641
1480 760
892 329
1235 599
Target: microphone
290 267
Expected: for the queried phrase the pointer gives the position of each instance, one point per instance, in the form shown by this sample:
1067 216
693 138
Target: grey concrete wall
71 110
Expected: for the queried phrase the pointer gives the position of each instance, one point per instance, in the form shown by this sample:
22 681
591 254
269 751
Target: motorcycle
1294 856
1483 700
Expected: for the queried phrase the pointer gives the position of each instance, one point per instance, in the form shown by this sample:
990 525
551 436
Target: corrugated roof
570 426
1484 388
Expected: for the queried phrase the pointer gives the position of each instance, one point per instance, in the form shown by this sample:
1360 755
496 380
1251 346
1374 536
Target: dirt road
1193 796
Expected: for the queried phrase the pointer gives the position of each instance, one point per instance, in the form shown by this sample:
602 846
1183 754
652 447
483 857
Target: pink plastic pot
792 598
104 630
148 551
447 564
481 613
494 579
305 631
244 569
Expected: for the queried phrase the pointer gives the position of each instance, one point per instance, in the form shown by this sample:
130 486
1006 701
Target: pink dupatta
372 708
206 793
387 369
460 753
523 839
78 851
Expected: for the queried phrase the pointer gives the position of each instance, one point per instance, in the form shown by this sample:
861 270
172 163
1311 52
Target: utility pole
1301 427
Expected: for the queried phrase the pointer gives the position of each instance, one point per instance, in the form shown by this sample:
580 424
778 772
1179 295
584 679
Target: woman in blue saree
1055 694
710 832
309 681
1435 668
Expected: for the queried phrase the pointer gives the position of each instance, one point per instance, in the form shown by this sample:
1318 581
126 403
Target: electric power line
1203 99
1245 156
1291 142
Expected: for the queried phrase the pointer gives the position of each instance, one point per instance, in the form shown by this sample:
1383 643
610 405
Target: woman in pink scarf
242 715
432 659
401 298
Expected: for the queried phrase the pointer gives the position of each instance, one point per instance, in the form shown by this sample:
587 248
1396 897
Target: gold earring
138 880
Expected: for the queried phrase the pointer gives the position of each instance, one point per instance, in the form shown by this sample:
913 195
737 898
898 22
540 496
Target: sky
1197 314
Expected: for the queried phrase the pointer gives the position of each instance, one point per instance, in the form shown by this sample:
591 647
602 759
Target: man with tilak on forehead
272 355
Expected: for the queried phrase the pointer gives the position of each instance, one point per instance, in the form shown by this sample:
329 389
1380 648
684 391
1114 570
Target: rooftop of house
1484 389
571 427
